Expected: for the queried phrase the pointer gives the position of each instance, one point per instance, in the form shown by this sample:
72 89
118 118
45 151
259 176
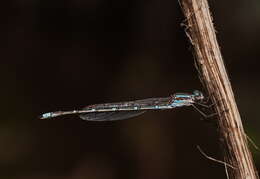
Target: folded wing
110 116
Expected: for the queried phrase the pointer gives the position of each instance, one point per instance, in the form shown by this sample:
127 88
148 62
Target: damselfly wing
123 110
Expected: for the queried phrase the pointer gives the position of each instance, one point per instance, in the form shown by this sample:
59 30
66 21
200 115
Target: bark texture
209 61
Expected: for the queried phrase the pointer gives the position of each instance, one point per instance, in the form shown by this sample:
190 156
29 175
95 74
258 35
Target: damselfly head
198 96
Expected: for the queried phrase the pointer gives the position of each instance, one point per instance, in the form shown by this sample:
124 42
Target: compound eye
197 93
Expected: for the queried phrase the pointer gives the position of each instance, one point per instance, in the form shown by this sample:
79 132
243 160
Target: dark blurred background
62 55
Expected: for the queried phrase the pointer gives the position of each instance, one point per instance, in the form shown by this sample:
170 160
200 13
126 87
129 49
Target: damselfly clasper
125 110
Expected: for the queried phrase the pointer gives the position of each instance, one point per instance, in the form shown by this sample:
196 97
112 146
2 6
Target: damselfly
125 110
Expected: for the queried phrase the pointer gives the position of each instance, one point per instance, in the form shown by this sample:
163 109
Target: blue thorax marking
182 100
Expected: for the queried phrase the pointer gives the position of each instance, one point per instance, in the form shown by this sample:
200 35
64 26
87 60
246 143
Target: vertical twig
201 32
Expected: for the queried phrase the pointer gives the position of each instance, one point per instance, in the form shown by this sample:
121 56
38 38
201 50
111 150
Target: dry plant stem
201 32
